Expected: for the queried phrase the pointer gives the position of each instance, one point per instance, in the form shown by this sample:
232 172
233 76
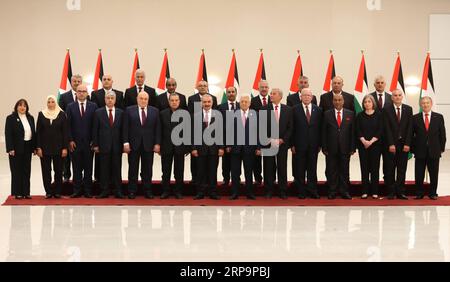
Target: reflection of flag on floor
164 75
298 71
361 87
260 75
66 75
135 67
397 78
98 75
202 73
427 88
232 79
331 73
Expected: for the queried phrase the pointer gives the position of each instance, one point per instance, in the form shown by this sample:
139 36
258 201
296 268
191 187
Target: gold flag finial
232 50
99 49
331 51
135 50
261 50
165 50
298 52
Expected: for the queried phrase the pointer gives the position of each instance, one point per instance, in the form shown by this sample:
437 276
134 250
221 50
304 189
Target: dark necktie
140 89
264 101
398 114
308 114
206 119
144 116
232 106
82 109
111 119
380 101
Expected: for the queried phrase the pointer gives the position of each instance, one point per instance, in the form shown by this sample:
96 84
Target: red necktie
111 119
339 119
264 101
427 122
206 120
308 114
144 116
380 101
398 114
82 109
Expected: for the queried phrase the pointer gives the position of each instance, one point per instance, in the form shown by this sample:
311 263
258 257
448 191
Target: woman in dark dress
20 138
369 126
51 145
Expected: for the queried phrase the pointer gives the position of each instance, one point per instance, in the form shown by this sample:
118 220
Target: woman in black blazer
369 126
51 145
20 144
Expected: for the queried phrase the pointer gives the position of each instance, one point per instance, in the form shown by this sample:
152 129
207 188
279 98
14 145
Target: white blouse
26 127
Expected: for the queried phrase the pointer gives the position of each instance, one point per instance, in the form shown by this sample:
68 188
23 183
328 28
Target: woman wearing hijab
52 144
20 144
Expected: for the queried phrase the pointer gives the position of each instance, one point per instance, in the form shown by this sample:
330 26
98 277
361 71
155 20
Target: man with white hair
132 93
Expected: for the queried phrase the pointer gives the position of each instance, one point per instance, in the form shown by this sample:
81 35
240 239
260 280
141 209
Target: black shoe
119 196
214 197
27 197
251 197
390 196
268 195
132 196
199 197
433 197
301 196
346 196
66 179
418 197
57 196
88 196
258 181
178 196
402 197
315 196
283 196
103 195
226 182
331 196
149 195
75 195
164 195
48 196
234 197
18 197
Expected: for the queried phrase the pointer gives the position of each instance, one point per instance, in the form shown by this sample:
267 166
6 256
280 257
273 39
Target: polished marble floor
224 233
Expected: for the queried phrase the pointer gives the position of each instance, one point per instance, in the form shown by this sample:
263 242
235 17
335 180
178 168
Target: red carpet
188 201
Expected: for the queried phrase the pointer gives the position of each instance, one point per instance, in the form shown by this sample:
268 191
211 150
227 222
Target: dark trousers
306 167
46 168
66 167
97 166
178 171
82 170
257 168
397 162
146 159
337 173
433 170
369 160
276 165
226 166
193 169
207 174
110 171
20 166
236 161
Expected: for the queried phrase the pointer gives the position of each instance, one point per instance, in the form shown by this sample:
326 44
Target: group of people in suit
140 123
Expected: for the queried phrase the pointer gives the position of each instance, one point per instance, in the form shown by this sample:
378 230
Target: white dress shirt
26 127
395 109
336 114
309 108
209 116
84 105
113 112
229 105
278 110
383 98
429 117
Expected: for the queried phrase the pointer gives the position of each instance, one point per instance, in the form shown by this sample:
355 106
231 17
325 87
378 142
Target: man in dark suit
383 100
64 100
231 105
307 122
196 99
163 98
142 138
326 100
338 145
108 145
276 165
398 137
130 98
262 100
80 115
206 156
171 153
98 96
295 98
428 143
242 150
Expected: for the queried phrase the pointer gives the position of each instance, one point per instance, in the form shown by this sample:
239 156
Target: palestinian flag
135 67
397 78
233 77
427 88
66 76
202 74
164 75
98 75
331 73
260 75
361 87
298 71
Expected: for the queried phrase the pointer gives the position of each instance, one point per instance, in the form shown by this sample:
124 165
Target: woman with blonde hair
52 144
